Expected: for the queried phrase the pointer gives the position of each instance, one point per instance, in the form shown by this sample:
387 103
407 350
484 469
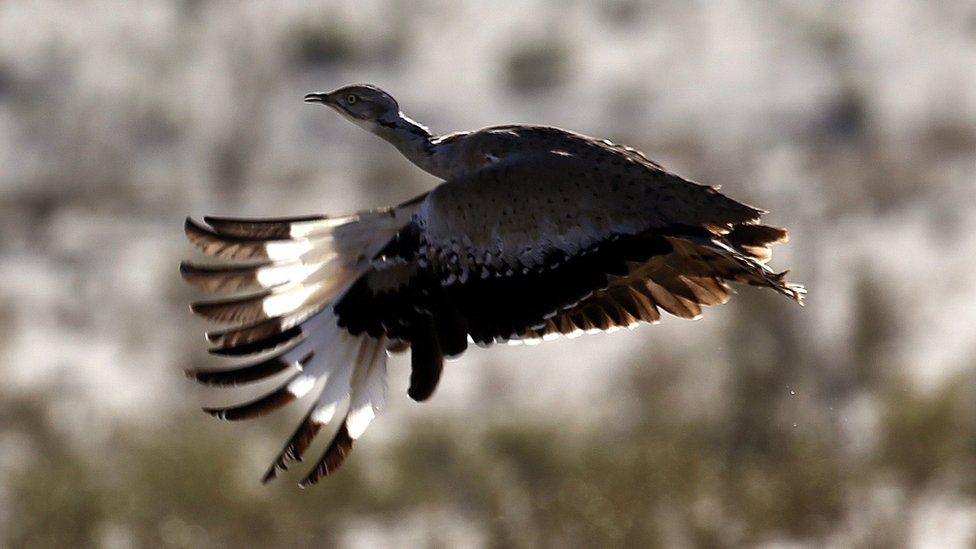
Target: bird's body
535 232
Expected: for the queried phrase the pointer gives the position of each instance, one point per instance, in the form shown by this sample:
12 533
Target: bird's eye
351 99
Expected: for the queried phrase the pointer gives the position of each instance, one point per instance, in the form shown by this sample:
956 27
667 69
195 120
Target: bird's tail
285 276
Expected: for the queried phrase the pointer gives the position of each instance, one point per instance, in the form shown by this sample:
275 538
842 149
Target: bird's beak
318 97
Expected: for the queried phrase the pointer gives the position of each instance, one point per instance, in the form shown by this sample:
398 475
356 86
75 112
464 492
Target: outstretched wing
517 211
285 275
695 273
525 250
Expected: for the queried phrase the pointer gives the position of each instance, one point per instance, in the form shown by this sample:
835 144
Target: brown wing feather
693 275
332 458
756 240
247 373
295 448
257 407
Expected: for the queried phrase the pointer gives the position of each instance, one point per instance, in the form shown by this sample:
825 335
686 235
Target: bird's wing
693 274
500 253
516 211
285 276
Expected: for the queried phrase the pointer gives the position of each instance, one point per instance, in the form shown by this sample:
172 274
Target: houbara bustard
535 232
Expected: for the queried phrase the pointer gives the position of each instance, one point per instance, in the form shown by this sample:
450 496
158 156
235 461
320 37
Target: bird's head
363 104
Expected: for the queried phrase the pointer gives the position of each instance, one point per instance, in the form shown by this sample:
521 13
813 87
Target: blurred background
848 423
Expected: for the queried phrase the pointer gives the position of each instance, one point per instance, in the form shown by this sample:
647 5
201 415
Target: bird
533 233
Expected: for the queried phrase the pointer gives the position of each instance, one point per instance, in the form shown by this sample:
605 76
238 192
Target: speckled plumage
548 188
535 232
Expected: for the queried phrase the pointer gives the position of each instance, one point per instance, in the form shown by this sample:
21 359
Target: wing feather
299 267
692 275
248 373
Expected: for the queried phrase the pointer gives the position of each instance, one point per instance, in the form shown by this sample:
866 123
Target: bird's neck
415 142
